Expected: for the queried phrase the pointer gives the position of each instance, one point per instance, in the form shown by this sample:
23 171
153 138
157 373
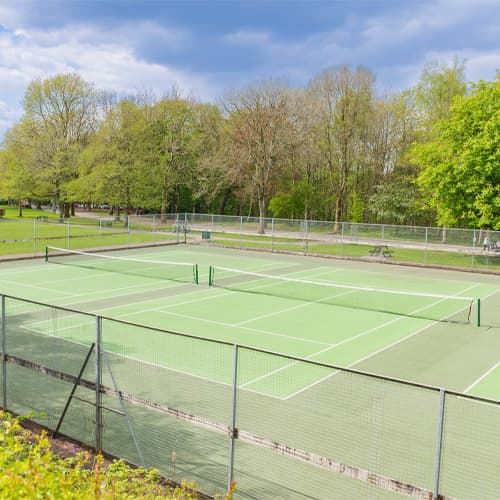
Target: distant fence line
196 409
467 248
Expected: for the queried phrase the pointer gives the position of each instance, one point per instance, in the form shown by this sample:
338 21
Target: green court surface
425 333
453 355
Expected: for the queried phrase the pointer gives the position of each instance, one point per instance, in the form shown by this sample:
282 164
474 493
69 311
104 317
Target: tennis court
289 317
412 324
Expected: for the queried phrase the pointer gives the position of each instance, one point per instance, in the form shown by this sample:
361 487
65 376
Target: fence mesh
301 429
422 245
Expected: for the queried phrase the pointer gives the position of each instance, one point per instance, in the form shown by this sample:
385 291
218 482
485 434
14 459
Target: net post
478 312
439 443
46 253
196 274
4 356
233 417
210 276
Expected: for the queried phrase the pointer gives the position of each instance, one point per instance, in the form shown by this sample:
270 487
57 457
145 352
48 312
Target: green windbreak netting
399 302
185 272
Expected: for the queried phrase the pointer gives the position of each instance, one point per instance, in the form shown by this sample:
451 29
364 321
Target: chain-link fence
422 245
29 237
383 242
214 412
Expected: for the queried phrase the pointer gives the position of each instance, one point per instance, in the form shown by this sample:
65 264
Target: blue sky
207 47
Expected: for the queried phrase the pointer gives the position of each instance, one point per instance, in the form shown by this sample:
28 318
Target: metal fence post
4 356
305 236
426 242
341 238
69 234
233 417
34 237
474 241
439 443
241 231
98 384
272 234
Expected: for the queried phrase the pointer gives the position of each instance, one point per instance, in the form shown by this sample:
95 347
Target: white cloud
107 59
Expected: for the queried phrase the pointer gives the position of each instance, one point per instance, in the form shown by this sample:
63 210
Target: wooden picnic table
382 250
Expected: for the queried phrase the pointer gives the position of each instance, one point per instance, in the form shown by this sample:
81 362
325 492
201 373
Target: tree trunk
225 199
20 213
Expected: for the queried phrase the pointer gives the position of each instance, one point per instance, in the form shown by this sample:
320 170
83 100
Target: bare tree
344 101
260 130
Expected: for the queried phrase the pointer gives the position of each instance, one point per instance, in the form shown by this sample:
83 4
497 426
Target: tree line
335 149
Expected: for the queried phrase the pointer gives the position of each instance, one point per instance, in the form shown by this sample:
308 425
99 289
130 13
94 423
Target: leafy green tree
439 84
112 166
460 169
63 113
174 140
20 177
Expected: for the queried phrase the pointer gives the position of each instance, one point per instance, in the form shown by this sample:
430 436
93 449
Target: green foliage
439 85
357 208
333 150
460 169
31 470
397 200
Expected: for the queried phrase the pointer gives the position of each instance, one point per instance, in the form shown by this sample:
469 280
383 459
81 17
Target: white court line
16 283
482 377
388 346
362 334
281 311
248 328
329 270
163 306
142 361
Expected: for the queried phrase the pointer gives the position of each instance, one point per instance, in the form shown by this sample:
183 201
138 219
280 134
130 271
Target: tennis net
158 269
449 308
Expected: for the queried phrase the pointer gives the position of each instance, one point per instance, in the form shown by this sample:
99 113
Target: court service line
402 339
362 334
109 291
162 307
210 297
378 351
482 377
